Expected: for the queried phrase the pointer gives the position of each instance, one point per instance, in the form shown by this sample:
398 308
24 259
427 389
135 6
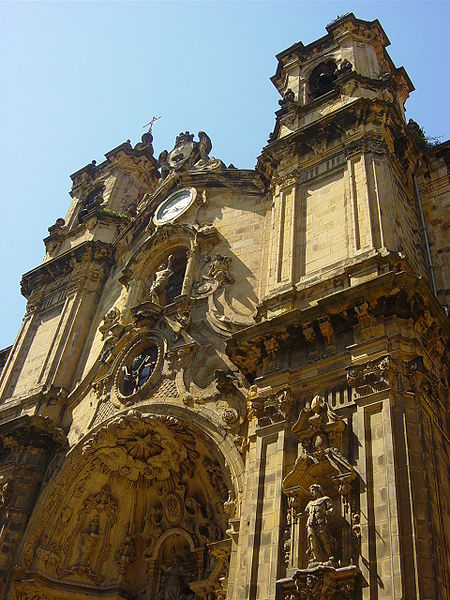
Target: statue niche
321 544
321 507
168 280
175 577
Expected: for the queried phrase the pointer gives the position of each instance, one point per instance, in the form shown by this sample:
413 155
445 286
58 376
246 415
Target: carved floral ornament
146 449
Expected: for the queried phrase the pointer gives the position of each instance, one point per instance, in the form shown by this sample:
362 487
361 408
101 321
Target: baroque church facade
232 384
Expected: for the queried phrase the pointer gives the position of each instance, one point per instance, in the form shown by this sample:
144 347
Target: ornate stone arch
137 483
156 249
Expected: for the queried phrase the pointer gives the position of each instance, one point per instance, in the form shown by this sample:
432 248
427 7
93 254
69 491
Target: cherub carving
220 269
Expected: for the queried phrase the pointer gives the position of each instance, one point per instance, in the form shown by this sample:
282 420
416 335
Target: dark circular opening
138 370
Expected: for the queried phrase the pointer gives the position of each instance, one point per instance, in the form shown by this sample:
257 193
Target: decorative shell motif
153 448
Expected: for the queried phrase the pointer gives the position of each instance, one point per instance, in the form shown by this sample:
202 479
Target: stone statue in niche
142 366
88 542
321 543
161 280
174 585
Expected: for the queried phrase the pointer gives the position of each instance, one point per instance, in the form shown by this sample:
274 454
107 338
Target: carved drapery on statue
318 542
141 505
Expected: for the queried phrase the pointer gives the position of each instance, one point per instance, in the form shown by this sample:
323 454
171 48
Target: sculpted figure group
174 585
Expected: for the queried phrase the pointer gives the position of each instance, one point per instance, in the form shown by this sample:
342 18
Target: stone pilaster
261 529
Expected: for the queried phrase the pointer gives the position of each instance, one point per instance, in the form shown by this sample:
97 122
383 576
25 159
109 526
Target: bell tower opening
322 79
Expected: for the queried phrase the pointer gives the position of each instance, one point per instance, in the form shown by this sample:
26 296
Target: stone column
190 271
27 444
402 548
153 578
284 235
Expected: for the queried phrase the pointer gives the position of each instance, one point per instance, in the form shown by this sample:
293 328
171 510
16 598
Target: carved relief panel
140 505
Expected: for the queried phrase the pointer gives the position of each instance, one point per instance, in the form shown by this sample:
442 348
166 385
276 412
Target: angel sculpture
204 146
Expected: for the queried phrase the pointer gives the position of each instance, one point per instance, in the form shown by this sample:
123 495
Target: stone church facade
232 384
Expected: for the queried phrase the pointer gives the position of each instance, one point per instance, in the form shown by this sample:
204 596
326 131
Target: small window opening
322 79
92 200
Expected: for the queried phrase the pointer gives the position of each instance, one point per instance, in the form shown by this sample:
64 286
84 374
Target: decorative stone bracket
270 408
371 377
320 583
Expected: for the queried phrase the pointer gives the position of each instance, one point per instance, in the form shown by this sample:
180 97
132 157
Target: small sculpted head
316 490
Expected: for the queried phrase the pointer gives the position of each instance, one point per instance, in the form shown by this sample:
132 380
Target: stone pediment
320 433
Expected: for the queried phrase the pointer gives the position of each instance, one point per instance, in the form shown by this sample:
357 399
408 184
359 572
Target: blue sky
79 78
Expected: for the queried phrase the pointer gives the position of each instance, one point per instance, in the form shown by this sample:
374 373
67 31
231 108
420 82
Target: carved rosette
146 449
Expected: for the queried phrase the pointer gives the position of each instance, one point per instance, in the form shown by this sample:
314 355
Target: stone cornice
99 252
302 51
400 294
333 127
31 430
246 180
140 151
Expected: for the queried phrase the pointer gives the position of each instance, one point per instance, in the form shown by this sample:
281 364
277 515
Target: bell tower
348 354
339 162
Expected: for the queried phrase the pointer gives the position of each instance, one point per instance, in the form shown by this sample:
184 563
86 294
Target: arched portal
135 511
